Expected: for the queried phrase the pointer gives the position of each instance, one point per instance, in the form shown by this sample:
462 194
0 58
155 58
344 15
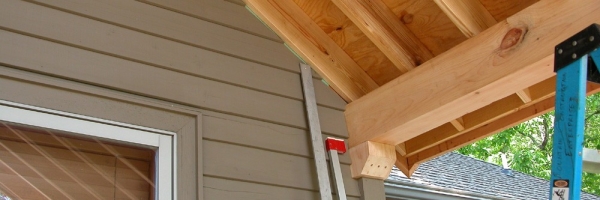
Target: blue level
576 60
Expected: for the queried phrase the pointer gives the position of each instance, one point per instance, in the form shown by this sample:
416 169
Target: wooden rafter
537 109
468 15
516 53
525 95
315 47
471 17
459 124
393 38
478 118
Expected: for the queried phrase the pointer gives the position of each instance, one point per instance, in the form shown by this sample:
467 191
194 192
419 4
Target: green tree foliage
528 146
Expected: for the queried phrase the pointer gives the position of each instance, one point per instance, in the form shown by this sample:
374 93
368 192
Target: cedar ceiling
425 75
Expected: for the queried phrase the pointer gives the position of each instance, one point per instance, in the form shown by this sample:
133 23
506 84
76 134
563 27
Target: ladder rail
576 61
315 132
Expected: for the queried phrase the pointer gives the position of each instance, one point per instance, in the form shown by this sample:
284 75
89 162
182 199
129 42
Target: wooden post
371 189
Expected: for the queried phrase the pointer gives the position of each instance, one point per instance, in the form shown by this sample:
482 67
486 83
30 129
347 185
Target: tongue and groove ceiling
425 77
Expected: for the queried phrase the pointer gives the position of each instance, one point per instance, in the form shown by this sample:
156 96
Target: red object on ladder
335 146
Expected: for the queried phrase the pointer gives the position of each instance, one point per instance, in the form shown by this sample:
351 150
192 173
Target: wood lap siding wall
209 55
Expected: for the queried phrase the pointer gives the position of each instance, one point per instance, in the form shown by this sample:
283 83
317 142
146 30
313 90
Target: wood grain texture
378 23
480 117
501 124
525 95
351 39
372 160
471 18
500 61
311 43
458 123
502 9
468 15
428 23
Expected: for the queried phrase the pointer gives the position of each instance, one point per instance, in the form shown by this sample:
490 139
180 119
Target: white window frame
163 141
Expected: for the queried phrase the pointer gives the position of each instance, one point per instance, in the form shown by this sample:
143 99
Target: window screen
39 163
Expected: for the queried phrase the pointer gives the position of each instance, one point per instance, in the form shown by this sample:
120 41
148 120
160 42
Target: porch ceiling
428 77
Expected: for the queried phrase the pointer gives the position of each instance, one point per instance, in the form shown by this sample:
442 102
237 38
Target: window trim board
164 141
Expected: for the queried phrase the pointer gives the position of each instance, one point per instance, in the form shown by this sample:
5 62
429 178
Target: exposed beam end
372 160
404 166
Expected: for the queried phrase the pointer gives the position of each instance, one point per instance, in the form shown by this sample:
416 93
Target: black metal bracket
576 46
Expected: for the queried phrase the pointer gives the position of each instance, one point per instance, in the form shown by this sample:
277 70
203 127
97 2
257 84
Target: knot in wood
418 60
407 18
512 38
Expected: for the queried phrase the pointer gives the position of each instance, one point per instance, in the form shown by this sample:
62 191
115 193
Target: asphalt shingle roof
459 172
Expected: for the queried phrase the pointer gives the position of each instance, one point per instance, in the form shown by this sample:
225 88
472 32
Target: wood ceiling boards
426 77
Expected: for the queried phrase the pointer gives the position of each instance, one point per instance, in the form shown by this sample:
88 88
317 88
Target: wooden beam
506 8
480 117
516 53
458 123
471 17
525 95
305 37
352 40
383 28
480 133
372 160
404 166
401 148
501 124
468 15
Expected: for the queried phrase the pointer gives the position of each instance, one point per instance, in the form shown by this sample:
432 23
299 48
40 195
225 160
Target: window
47 154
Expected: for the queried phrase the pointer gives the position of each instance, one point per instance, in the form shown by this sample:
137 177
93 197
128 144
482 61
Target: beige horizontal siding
268 136
218 11
247 164
109 71
216 188
210 56
158 50
165 23
68 96
227 161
